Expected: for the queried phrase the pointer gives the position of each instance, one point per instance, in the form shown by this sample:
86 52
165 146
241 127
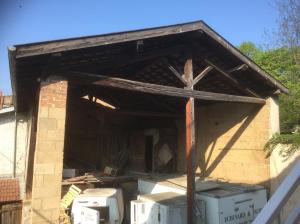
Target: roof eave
12 68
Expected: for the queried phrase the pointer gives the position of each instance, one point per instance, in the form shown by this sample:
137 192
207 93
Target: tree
280 64
250 50
283 62
288 34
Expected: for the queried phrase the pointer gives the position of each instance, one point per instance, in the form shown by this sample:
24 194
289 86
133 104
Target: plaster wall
7 133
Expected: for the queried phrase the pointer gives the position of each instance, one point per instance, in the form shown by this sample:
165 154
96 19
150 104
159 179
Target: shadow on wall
228 135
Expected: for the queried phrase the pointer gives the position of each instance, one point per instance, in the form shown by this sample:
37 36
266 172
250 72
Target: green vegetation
283 62
291 142
280 63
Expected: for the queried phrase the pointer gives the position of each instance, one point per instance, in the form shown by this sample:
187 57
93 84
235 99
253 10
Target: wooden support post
190 143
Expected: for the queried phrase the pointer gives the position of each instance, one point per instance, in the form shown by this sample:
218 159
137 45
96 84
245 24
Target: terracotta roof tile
9 190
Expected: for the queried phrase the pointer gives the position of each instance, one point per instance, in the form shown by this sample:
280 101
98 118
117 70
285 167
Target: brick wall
48 159
230 138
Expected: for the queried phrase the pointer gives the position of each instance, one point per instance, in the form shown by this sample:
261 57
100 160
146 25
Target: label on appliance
90 216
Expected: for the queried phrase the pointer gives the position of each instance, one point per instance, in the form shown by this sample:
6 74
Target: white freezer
108 201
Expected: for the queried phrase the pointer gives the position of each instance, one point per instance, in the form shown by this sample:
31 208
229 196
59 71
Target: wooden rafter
163 90
202 74
242 67
174 71
234 81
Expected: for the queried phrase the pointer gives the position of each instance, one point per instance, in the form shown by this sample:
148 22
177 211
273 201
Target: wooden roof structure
149 61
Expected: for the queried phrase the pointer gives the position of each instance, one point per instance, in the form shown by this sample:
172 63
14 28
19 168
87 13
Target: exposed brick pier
48 161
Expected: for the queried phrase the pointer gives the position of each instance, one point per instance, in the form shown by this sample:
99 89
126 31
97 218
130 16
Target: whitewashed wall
7 129
7 133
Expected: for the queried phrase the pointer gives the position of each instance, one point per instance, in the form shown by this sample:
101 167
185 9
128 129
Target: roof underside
145 56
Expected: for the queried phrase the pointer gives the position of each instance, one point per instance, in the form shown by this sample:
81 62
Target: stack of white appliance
215 202
99 205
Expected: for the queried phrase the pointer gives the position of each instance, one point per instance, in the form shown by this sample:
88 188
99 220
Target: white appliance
231 204
108 201
90 215
216 202
177 185
161 208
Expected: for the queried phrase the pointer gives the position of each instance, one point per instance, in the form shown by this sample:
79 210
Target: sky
27 21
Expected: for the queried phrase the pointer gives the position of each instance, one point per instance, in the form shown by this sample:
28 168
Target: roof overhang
33 54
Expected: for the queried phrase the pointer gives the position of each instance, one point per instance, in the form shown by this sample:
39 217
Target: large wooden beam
190 151
162 90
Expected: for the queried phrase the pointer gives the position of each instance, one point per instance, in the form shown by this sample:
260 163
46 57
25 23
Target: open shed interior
99 136
171 100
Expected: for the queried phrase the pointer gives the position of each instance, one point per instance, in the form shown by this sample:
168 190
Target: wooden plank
174 71
202 74
190 144
100 40
160 89
234 81
163 90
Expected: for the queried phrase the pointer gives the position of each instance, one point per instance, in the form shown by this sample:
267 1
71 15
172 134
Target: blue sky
26 21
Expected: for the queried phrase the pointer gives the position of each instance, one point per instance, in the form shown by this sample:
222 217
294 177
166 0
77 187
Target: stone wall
48 159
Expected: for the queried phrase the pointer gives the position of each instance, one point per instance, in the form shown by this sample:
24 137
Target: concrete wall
230 138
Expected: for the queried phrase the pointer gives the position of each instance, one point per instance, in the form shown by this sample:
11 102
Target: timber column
190 143
48 159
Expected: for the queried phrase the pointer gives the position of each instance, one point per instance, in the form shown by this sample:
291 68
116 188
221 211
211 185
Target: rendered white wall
7 133
7 129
